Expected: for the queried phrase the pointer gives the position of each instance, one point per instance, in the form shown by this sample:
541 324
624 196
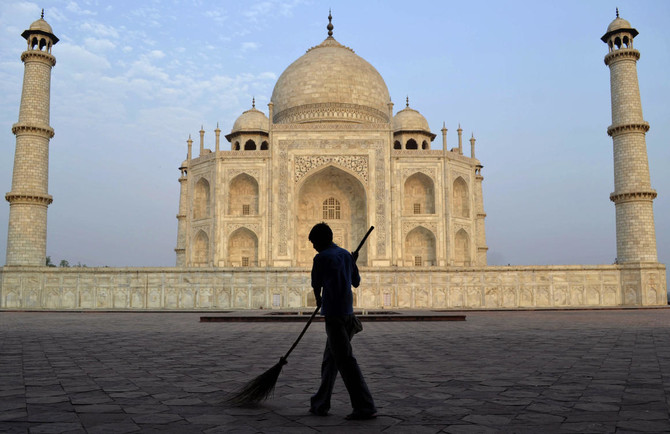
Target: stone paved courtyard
534 372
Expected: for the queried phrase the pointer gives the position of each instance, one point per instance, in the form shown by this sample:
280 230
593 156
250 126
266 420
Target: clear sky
134 78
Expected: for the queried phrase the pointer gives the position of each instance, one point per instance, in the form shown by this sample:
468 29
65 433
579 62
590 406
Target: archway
201 207
201 249
243 195
419 195
461 200
420 248
462 249
243 248
338 198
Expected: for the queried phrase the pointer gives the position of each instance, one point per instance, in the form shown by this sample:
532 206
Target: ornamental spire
42 17
330 24
617 12
253 102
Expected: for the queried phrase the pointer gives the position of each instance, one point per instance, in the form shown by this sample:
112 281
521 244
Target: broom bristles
260 388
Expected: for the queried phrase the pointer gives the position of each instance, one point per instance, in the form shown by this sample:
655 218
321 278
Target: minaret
480 215
29 198
183 207
633 196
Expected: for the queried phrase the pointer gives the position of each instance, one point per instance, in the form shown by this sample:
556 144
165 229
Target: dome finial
42 17
330 24
253 102
617 12
407 101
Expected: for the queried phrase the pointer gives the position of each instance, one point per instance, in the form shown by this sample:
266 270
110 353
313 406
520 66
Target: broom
261 387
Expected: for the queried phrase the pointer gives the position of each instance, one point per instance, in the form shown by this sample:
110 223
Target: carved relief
356 163
283 198
231 173
408 226
609 295
492 296
474 297
630 295
593 295
330 111
543 296
232 227
525 297
428 171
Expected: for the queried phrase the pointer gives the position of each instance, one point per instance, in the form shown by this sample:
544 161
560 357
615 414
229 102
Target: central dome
330 83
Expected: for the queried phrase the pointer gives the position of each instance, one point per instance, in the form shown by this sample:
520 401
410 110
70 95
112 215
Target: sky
134 78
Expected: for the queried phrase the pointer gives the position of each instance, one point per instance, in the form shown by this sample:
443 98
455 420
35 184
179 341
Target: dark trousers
338 356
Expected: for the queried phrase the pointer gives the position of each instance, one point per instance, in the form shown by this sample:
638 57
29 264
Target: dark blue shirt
335 271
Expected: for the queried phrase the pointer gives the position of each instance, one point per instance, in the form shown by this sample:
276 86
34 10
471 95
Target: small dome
41 25
618 24
251 121
409 119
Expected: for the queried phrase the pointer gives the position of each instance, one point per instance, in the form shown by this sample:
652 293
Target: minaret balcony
628 128
622 54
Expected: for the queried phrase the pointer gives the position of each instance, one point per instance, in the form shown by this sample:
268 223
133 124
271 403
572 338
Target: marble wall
281 288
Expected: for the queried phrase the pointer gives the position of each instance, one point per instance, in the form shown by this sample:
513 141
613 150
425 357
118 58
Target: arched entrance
338 198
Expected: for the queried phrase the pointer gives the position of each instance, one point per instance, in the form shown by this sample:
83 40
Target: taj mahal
331 147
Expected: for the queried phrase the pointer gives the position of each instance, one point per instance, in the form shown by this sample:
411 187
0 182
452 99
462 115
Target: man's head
321 236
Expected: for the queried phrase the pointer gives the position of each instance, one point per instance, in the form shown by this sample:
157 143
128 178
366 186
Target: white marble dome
618 24
252 120
409 119
330 83
41 25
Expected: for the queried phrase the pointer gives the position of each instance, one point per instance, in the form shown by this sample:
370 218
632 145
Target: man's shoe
360 416
318 412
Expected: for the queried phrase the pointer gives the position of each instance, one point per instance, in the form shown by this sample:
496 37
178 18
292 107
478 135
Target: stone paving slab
512 372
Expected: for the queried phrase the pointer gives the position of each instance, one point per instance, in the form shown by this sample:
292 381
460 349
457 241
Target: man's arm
317 281
355 275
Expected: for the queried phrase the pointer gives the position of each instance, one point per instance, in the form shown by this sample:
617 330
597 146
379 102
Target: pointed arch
321 191
250 145
420 247
461 198
411 144
200 249
243 195
243 248
264 146
419 194
236 146
462 249
201 199
424 145
397 145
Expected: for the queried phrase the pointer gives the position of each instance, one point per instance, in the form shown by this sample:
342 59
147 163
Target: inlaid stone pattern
356 163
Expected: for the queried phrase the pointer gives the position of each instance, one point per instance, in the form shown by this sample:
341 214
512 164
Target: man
333 273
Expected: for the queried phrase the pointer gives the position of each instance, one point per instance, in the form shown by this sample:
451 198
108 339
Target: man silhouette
333 273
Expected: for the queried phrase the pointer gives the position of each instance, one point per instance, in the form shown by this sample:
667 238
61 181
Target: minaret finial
330 24
617 12
42 17
253 102
407 101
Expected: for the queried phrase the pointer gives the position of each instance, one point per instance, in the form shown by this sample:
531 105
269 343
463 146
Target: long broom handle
311 318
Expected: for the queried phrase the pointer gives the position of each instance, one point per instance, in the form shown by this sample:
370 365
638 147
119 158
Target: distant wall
253 288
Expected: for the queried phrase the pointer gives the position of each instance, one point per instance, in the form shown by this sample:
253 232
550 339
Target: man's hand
318 301
355 255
